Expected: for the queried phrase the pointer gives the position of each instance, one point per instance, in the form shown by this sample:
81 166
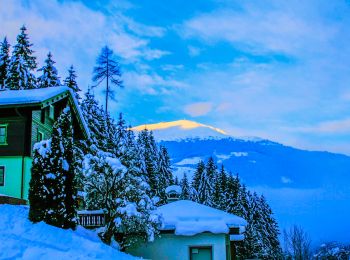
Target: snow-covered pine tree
206 183
164 174
197 178
176 181
220 190
122 193
61 202
96 120
252 245
270 231
149 153
53 191
107 69
120 136
49 77
22 64
71 82
69 170
37 189
185 188
4 62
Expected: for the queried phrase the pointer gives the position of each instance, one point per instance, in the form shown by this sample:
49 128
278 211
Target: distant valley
307 188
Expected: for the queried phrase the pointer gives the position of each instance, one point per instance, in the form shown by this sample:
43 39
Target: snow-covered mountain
304 187
183 129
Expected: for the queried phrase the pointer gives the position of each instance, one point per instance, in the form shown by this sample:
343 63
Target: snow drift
21 239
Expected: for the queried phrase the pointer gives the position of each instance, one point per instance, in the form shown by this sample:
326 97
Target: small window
2 175
40 136
52 112
3 134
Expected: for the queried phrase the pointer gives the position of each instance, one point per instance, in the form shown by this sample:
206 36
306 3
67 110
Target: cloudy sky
274 69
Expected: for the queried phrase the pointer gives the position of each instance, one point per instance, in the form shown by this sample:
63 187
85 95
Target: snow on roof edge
197 218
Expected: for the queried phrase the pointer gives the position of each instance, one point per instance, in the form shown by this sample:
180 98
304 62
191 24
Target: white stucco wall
171 247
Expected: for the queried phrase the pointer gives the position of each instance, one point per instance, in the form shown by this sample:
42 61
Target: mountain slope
182 129
302 186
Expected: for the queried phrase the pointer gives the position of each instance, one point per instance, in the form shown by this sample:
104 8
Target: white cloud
259 29
341 126
286 180
194 51
198 109
75 34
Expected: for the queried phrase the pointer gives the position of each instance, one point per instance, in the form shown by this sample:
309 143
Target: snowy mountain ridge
180 130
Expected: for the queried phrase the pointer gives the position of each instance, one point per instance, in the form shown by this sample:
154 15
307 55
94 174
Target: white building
193 231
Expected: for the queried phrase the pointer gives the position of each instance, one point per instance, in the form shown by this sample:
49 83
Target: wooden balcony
91 218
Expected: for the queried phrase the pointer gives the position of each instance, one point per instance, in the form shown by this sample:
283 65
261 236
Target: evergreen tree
96 121
206 183
185 188
176 181
149 155
270 231
22 63
53 174
107 69
49 77
4 62
120 136
196 182
220 195
164 174
71 82
122 193
37 190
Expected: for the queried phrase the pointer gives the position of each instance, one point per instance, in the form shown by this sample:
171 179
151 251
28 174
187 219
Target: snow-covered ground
20 239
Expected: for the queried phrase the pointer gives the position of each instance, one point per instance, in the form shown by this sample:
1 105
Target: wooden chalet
27 117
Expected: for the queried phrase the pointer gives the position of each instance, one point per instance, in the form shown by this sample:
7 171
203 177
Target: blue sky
274 69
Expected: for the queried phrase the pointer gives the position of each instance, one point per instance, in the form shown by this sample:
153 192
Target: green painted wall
13 175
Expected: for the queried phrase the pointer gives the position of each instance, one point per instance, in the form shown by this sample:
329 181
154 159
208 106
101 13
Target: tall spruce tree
107 69
22 64
206 183
149 153
49 77
71 82
164 174
196 182
96 121
53 175
185 188
4 62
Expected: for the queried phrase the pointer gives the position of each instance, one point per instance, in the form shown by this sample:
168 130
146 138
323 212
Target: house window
2 175
201 253
40 136
3 134
52 112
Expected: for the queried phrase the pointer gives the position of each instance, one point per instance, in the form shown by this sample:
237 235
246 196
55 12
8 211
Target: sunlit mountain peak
181 129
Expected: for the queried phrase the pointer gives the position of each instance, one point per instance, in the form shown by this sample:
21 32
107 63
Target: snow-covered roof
30 96
189 218
173 188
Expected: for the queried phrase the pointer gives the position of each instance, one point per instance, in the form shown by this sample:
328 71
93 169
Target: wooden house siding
16 129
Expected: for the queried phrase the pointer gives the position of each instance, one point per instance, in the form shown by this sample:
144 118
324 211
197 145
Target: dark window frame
5 126
2 184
